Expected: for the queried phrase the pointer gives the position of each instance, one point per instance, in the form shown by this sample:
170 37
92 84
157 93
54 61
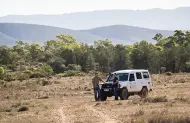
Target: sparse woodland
66 57
70 99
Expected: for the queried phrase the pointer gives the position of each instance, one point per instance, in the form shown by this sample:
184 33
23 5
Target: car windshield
121 77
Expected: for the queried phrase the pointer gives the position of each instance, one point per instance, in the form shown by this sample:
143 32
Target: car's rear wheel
144 92
124 95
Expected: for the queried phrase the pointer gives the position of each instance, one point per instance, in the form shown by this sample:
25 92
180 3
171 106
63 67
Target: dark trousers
116 93
97 93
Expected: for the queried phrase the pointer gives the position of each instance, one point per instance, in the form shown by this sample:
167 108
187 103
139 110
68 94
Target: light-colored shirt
95 81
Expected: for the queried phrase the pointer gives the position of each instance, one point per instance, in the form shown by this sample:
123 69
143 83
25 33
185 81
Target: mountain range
162 19
122 34
119 26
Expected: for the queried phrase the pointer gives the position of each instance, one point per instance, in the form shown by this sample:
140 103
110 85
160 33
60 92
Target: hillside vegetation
52 82
66 57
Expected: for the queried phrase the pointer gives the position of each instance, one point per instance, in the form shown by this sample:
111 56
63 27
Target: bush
6 110
9 77
60 75
37 75
5 84
2 82
156 99
12 67
57 64
168 73
70 73
163 69
46 70
29 72
74 67
45 82
2 70
23 108
22 76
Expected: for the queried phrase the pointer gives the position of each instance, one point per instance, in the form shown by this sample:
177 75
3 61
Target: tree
104 54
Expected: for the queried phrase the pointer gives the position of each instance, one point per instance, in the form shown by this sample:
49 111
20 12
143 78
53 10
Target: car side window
145 75
139 75
123 77
132 77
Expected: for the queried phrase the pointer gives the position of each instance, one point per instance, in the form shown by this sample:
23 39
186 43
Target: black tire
144 92
124 95
103 97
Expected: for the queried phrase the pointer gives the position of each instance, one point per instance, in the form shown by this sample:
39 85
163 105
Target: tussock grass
156 99
6 110
23 108
169 119
139 113
182 99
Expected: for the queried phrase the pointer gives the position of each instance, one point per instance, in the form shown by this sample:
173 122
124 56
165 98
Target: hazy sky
25 7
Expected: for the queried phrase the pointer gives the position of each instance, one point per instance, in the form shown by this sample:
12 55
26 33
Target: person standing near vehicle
95 82
115 86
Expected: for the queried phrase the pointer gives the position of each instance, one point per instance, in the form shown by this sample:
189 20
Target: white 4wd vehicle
131 82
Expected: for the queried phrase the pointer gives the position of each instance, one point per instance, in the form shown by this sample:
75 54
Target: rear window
139 75
145 75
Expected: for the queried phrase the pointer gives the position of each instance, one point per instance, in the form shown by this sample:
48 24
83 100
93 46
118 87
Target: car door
132 82
123 80
139 81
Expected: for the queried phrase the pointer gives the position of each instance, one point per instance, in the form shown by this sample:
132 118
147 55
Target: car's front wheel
103 96
124 95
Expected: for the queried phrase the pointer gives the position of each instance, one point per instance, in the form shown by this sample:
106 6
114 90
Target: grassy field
70 100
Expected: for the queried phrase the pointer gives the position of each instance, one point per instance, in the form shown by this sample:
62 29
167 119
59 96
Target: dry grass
155 99
71 99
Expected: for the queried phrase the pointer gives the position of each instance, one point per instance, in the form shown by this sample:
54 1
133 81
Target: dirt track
70 100
77 110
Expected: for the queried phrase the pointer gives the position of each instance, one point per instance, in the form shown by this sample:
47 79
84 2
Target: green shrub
37 75
2 82
12 67
168 73
70 73
60 75
29 72
74 67
9 77
46 70
2 71
22 76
